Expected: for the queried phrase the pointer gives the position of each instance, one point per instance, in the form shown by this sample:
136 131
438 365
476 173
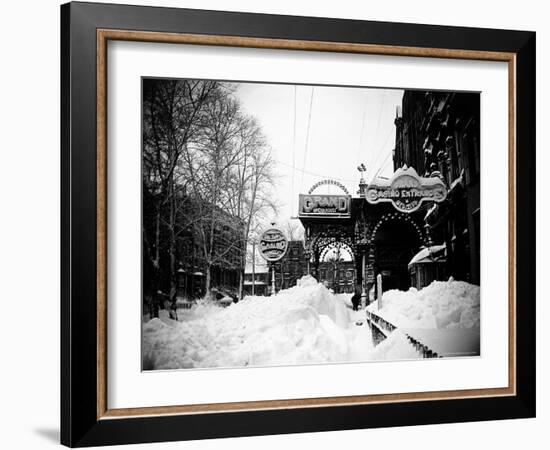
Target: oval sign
272 244
407 190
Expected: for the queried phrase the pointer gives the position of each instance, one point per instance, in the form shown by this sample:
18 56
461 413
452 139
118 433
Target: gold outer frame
104 35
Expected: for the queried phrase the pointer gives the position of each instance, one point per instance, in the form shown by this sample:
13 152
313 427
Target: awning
432 254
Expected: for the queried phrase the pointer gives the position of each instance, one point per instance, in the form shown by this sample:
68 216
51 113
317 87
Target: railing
386 328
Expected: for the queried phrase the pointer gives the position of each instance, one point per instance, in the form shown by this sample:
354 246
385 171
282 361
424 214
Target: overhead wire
293 152
307 136
376 139
362 130
380 112
381 153
384 162
307 172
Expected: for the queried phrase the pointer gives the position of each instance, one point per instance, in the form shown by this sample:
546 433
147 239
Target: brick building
437 133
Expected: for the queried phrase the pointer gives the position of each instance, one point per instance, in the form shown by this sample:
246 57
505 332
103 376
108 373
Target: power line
380 113
384 162
379 152
347 180
307 136
362 129
293 152
381 148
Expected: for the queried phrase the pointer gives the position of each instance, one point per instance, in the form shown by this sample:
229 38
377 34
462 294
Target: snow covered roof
428 254
432 209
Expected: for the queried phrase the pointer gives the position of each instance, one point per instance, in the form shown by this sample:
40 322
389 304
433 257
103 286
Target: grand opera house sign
324 205
406 190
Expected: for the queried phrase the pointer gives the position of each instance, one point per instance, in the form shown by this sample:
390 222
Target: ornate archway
338 245
334 269
328 183
380 237
395 216
393 240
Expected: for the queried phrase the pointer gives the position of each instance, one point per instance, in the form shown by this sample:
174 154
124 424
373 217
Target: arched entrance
336 268
395 239
381 238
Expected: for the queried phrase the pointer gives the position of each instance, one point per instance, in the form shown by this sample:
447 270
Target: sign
406 190
324 205
272 244
328 183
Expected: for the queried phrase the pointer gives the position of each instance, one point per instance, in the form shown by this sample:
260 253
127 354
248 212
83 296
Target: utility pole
272 279
253 266
364 294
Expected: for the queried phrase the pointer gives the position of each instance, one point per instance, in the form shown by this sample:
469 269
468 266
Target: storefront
383 227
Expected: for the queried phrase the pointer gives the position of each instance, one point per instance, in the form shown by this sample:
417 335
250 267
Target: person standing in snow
356 298
173 305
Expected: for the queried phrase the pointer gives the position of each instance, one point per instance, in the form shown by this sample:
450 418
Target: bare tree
230 170
207 174
171 117
294 230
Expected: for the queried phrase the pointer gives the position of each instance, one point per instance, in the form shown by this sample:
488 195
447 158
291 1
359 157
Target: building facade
292 267
338 276
421 225
227 256
437 133
257 282
287 271
187 261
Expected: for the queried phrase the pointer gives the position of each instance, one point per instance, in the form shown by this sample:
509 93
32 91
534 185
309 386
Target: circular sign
272 244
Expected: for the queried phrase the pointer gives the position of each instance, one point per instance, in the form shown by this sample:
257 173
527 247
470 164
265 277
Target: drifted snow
441 305
396 346
301 325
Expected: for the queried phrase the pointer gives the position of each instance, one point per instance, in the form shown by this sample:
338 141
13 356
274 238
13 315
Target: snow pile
441 305
346 299
396 346
300 325
308 324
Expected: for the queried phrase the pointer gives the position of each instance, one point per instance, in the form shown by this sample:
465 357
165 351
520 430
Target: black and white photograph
304 224
275 224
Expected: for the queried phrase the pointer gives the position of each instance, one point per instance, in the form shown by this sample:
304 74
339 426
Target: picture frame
86 418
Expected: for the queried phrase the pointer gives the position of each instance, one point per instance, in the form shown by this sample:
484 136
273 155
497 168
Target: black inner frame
79 424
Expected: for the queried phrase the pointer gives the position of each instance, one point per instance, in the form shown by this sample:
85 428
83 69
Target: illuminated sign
328 183
406 190
324 205
272 244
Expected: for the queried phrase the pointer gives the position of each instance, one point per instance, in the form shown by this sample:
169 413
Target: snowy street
306 324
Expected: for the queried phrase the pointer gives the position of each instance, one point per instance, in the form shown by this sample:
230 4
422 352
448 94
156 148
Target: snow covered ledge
441 320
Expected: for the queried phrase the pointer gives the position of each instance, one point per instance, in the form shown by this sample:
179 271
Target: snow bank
307 324
395 347
300 325
441 305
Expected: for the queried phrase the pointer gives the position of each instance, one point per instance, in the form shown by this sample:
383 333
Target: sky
323 132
